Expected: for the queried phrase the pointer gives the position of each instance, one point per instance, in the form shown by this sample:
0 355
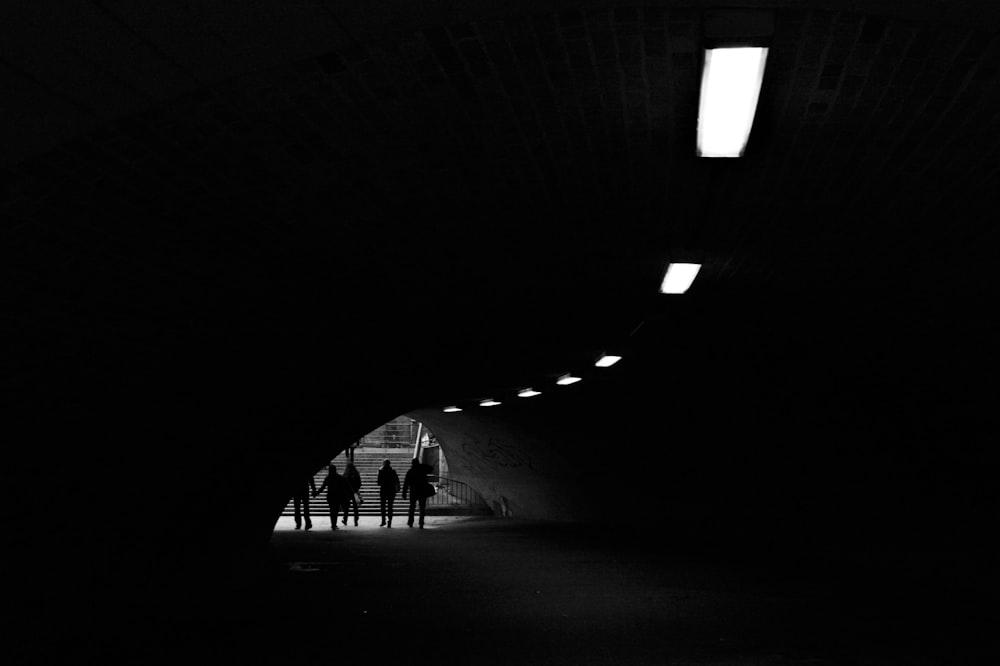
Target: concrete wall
517 472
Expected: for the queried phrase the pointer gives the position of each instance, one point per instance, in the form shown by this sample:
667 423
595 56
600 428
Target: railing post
416 446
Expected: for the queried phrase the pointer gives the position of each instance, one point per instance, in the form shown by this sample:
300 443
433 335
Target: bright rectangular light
566 380
679 278
607 360
489 403
451 409
528 393
730 85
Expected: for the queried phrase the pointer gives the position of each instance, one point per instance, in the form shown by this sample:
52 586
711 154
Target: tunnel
237 236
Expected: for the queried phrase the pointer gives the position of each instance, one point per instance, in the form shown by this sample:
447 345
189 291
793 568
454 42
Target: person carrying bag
419 489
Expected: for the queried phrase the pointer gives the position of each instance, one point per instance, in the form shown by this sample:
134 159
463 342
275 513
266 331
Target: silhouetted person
388 486
338 492
300 503
419 488
353 477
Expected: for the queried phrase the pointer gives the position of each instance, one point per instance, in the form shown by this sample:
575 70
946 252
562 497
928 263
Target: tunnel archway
202 236
399 442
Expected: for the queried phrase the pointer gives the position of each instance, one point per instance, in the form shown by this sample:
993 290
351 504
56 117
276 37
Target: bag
357 498
429 490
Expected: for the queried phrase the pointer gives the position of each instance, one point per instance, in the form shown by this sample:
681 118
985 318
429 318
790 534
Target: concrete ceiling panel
72 77
161 22
268 33
183 35
103 39
377 20
41 119
209 60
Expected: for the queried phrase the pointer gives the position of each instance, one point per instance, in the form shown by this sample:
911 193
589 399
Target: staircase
368 461
398 433
394 441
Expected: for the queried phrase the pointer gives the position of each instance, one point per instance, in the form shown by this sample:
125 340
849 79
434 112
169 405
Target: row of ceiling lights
676 280
605 361
730 87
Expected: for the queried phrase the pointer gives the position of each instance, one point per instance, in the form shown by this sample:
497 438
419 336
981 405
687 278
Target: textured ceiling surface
271 178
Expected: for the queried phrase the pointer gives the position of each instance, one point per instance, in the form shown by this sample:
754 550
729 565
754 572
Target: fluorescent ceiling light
607 360
453 408
489 402
528 393
679 278
730 85
566 380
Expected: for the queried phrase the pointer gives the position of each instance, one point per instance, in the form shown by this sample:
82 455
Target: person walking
388 486
300 502
353 477
419 488
337 493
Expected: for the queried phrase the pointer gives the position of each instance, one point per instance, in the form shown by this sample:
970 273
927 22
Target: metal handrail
416 445
452 492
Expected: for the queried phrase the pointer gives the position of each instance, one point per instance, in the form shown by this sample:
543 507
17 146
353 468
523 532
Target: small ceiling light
528 393
607 360
567 379
453 408
730 86
489 402
679 278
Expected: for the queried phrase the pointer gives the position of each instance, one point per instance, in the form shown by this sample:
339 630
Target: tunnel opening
398 443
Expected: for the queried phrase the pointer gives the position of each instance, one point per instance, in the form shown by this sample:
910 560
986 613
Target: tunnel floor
482 590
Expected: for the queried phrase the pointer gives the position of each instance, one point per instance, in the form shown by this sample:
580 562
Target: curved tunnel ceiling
235 236
488 194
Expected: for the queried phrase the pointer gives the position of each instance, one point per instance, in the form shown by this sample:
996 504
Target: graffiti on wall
495 453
